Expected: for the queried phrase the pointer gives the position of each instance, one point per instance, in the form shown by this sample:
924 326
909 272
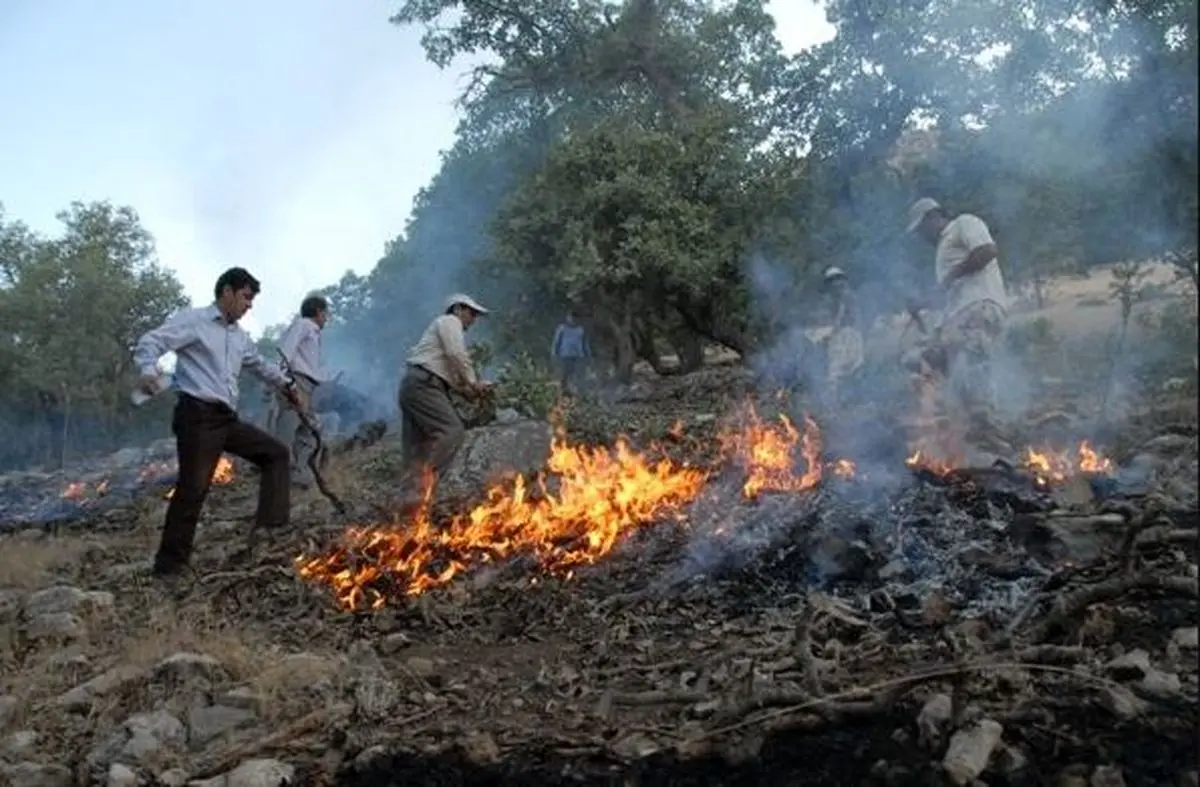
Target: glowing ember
81 491
777 456
598 496
1054 467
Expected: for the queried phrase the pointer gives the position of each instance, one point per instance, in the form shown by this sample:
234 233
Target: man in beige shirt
967 269
431 429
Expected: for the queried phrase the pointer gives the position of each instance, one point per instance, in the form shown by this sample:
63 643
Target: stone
82 696
1187 638
970 750
635 746
208 723
121 776
370 758
492 454
64 598
10 606
20 744
1161 684
933 719
1121 702
1107 776
8 709
33 774
1133 665
253 773
141 738
185 667
421 666
243 697
173 777
55 626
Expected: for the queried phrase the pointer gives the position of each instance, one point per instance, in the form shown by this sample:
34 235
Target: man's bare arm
977 260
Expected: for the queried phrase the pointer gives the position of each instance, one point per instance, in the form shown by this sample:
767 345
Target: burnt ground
848 635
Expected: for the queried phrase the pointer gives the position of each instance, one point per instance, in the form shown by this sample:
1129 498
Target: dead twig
843 704
226 760
802 646
1069 606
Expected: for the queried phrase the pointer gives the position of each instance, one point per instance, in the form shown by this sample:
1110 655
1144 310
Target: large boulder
493 454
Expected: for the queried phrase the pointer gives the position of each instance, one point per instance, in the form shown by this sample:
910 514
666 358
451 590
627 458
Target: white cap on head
834 272
461 299
918 210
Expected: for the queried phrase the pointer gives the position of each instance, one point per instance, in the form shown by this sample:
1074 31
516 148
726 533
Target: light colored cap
461 299
918 210
834 272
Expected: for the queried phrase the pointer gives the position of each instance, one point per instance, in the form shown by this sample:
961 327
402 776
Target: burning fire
925 460
1054 467
1047 465
599 496
779 457
573 515
223 474
82 491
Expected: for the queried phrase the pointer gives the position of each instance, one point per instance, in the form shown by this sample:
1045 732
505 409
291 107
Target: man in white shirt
301 346
211 350
967 269
431 429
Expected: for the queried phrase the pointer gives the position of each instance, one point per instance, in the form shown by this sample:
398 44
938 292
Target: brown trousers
203 431
431 431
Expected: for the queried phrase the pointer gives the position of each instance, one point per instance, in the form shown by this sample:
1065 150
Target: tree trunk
624 352
690 350
647 349
66 426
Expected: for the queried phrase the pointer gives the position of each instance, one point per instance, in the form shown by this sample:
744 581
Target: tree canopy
665 168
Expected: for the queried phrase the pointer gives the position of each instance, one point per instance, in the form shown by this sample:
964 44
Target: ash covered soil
881 627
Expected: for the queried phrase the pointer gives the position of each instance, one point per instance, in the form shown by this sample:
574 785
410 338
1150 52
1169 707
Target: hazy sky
287 137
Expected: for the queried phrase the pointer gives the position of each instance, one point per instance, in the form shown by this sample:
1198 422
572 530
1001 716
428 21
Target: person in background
844 345
569 350
967 271
301 346
431 429
211 350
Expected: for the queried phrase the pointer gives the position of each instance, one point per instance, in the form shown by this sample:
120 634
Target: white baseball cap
461 299
916 213
834 272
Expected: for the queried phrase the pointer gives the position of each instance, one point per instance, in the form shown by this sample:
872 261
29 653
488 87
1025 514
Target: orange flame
766 451
1049 466
222 474
927 461
598 497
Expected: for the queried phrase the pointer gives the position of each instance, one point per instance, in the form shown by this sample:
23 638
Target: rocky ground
889 627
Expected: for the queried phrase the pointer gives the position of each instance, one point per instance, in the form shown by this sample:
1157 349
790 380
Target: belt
428 376
195 401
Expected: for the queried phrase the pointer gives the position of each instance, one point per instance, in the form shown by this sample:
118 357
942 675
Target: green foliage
71 309
526 386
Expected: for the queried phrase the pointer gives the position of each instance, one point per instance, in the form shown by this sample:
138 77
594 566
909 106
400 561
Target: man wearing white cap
976 305
431 429
844 346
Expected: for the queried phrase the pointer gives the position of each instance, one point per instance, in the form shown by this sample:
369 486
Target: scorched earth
718 595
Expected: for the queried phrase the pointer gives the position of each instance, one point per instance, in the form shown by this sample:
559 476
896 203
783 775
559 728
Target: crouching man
431 429
211 350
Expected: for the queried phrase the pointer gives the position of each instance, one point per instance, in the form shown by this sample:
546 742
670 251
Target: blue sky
287 137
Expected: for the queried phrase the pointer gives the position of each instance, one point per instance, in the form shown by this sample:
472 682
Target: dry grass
30 563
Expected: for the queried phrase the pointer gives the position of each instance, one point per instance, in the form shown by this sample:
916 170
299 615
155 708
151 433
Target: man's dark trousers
203 431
